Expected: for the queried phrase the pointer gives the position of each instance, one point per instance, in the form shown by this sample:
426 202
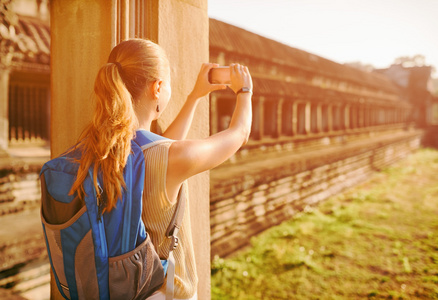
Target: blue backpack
109 255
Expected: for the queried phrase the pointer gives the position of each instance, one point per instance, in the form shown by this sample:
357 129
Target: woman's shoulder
147 140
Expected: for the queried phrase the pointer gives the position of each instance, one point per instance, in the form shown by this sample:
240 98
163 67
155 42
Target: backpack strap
127 213
146 139
171 233
175 223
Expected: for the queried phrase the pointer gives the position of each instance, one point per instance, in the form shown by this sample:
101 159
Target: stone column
261 116
291 117
319 117
279 117
346 117
81 41
330 117
213 114
182 30
295 118
308 118
4 104
361 113
366 115
83 34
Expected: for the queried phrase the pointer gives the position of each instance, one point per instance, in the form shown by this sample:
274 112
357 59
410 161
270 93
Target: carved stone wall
250 197
318 127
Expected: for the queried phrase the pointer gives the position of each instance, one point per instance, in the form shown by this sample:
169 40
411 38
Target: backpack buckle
173 243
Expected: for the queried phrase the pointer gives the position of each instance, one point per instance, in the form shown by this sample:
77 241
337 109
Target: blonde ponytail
106 143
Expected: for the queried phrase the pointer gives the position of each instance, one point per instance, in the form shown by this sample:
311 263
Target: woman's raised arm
179 128
190 157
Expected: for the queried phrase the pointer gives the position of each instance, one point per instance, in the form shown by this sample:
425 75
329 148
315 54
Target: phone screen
219 75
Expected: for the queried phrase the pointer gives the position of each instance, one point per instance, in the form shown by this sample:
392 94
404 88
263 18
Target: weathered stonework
319 128
252 196
23 255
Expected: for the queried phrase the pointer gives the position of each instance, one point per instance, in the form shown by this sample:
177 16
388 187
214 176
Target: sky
373 32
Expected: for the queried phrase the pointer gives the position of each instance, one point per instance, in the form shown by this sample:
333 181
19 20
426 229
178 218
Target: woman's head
134 66
142 62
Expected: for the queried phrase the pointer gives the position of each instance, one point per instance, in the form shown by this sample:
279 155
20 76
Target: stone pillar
361 115
182 30
346 117
81 40
4 104
279 117
295 118
367 115
290 119
80 45
308 118
353 116
255 126
336 117
261 116
330 117
214 123
83 34
319 117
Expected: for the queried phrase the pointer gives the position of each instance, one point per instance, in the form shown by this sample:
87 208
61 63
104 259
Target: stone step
29 285
30 281
38 293
19 192
21 239
26 276
7 294
7 208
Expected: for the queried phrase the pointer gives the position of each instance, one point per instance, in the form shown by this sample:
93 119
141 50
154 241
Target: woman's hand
202 86
190 157
240 77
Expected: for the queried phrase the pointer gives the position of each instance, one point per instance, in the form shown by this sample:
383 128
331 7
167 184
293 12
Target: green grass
376 241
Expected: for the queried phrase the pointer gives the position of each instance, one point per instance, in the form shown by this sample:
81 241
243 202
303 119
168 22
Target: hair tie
119 66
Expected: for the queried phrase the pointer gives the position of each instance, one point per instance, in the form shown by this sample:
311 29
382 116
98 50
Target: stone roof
229 38
279 88
25 45
292 91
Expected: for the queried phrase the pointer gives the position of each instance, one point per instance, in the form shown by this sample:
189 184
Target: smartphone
219 75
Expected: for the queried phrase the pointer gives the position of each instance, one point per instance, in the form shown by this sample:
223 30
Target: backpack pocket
136 274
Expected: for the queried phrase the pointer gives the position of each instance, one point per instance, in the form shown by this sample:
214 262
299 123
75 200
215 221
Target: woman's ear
155 88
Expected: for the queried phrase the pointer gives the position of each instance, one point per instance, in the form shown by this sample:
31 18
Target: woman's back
158 211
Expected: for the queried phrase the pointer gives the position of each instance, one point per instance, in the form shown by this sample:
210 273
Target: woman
132 90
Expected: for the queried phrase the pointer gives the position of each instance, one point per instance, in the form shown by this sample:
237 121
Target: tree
417 60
